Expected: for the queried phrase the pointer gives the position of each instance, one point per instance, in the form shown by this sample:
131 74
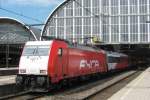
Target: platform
8 86
4 80
138 89
8 71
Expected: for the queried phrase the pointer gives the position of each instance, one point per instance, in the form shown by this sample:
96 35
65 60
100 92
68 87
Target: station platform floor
5 80
138 89
10 68
8 71
8 86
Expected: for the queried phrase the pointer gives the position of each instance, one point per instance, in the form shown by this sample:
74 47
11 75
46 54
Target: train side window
113 59
110 59
60 52
119 59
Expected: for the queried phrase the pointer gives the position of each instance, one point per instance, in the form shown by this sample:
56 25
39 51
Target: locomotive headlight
43 71
22 70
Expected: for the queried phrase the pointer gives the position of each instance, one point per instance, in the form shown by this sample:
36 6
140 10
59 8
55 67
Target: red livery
44 64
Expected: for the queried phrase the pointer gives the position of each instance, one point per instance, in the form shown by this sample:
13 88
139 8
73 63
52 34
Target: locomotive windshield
36 50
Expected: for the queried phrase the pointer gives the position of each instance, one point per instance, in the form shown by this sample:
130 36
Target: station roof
76 20
53 12
13 31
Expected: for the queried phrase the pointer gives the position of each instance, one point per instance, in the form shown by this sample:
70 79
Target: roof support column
129 32
119 21
92 19
48 31
82 23
148 25
100 20
65 23
56 30
138 21
109 22
73 21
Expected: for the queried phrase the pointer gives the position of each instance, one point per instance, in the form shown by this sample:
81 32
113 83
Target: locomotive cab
42 64
33 66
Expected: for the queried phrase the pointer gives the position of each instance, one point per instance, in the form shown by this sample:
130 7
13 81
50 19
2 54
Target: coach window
60 52
116 59
119 59
110 59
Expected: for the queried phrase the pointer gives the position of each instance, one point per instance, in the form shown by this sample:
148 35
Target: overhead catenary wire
34 25
19 14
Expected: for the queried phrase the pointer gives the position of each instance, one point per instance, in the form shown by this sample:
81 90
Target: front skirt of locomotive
33 83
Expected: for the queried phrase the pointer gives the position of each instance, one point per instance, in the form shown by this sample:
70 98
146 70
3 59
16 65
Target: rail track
85 91
81 91
26 95
110 91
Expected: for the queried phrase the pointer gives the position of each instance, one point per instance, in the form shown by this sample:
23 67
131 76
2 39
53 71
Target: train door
62 60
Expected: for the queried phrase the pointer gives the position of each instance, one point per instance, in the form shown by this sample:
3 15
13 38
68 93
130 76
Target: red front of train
45 64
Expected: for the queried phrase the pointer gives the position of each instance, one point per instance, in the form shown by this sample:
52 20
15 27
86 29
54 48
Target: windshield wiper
34 51
37 51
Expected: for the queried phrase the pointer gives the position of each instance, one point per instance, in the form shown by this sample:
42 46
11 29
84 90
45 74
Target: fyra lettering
89 63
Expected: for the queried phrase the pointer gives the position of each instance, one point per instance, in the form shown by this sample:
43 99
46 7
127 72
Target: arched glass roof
13 31
113 21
